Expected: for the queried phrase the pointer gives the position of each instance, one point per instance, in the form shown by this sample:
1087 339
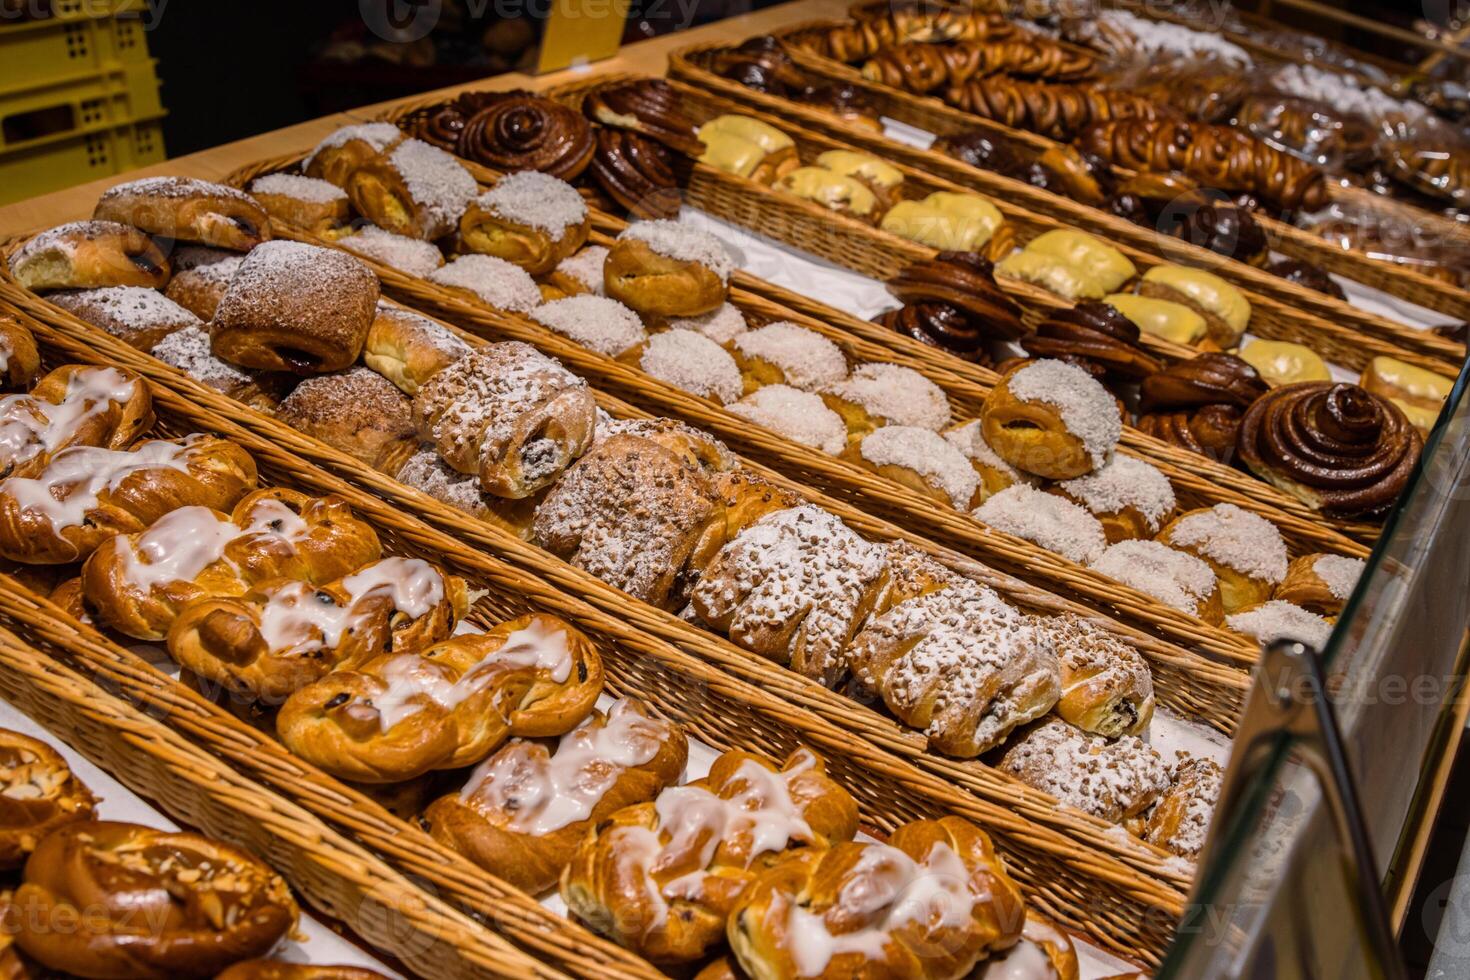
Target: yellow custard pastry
747 147
1404 382
834 191
1281 362
1096 267
948 222
1051 274
1225 309
1161 317
870 170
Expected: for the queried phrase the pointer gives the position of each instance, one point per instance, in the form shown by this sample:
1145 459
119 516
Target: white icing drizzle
30 426
184 542
76 477
298 618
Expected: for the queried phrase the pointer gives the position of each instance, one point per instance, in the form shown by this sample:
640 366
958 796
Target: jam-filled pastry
1109 778
649 107
833 191
140 582
188 210
107 899
1320 583
527 218
794 586
38 794
666 268
446 706
1175 578
1052 419
1246 552
1106 685
783 353
876 395
995 473
285 633
595 322
412 189
747 147
74 405
317 205
524 810
960 665
965 281
199 289
1132 498
1097 336
296 307
1281 362
934 901
408 349
137 316
1044 952
798 415
511 131
281 970
1161 318
951 222
1046 519
1308 275
89 255
87 494
358 412
341 152
1225 309
189 351
922 460
20 360
642 175
1277 619
1343 451
662 878
509 414
1181 818
1072 264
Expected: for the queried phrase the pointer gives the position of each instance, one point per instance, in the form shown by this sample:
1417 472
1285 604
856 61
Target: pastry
876 395
1181 819
1177 207
666 268
20 361
923 68
995 473
409 349
89 255
410 256
426 471
281 970
511 131
494 282
746 498
579 273
1281 362
358 412
1275 620
283 633
1131 498
1225 309
696 449
595 322
1106 686
1340 449
439 124
189 351
1307 275
1052 419
642 175
966 282
295 307
341 152
1175 578
746 147
910 573
38 794
1210 378
922 460
794 586
1172 321
316 205
1044 952
509 414
883 179
1320 584
527 218
1407 384
1057 110
1071 264
412 189
1097 337
649 107
110 899
833 191
848 103
1108 778
958 664
74 405
932 902
950 222
939 325
1245 551
798 415
137 316
187 209
662 878
522 813
692 362
1045 519
783 353
200 289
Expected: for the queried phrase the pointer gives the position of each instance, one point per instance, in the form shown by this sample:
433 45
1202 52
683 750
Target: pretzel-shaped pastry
140 583
113 899
87 494
285 633
74 405
525 808
38 793
932 902
450 705
1056 110
661 878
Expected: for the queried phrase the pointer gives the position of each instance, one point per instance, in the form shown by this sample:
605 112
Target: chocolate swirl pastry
649 107
642 176
1097 335
1341 449
520 131
1209 431
1176 207
966 281
1306 274
940 325
846 101
1211 378
761 64
439 124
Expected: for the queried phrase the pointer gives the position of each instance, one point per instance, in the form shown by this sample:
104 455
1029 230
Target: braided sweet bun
639 173
119 900
187 209
89 255
512 131
931 903
922 68
1058 110
74 405
38 794
647 106
20 360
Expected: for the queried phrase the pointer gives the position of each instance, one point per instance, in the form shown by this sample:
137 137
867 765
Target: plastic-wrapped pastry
883 179
358 412
922 460
74 405
1096 336
137 316
783 353
408 349
1308 275
696 847
747 147
1059 111
960 665
199 289
877 395
798 415
1109 778
639 173
1320 583
413 189
833 191
343 151
966 282
1071 264
411 256
317 205
38 794
1132 498
1052 419
1046 519
1277 619
89 255
1181 818
666 268
495 282
511 131
950 222
1106 686
523 811
1175 206
596 322
1245 551
527 218
1225 309
649 107
995 473
20 361
188 210
924 68
1175 578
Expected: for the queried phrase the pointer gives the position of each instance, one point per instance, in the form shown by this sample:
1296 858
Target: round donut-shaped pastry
281 970
995 473
295 307
513 131
87 255
876 395
1277 619
189 210
20 360
38 793
1338 447
595 322
1051 419
640 174
1246 552
528 218
664 268
113 899
650 107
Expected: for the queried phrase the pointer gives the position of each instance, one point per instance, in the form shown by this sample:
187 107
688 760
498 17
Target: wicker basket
933 116
325 869
1069 868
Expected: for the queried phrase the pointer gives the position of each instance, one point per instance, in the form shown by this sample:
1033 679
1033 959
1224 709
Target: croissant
140 583
87 494
661 878
73 405
932 902
525 808
449 705
38 794
284 633
922 68
1059 111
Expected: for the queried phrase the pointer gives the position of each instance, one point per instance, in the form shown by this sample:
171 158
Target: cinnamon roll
1210 430
438 125
964 281
649 107
939 325
512 131
640 174
1097 335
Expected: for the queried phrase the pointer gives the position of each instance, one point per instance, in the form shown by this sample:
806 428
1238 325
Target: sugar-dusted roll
357 411
344 150
1246 552
137 316
528 218
1052 419
412 189
666 268
89 255
1106 685
187 209
316 205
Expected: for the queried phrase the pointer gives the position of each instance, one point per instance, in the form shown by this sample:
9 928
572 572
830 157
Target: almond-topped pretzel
449 705
38 793
74 405
119 900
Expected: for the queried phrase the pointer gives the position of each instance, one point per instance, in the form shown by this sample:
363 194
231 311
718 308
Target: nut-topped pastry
965 281
38 793
1106 686
1112 779
1097 336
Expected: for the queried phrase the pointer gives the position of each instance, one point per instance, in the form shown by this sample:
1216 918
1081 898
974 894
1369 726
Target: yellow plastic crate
82 35
65 107
78 158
